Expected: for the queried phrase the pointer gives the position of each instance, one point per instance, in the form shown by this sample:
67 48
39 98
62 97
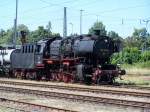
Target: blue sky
34 13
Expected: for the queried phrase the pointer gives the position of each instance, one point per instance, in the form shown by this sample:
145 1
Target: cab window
26 49
38 48
29 49
23 49
32 48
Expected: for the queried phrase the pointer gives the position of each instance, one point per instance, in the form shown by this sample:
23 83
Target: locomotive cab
42 51
38 56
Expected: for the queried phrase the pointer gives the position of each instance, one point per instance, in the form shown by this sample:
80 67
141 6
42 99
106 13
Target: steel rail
28 107
82 89
85 98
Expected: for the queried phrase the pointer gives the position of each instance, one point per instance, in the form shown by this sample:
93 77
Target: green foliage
128 55
137 65
132 42
131 54
6 37
98 26
139 39
138 33
38 34
145 56
132 57
117 39
2 32
116 58
114 35
22 27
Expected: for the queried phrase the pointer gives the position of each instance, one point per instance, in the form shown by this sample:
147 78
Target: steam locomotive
84 58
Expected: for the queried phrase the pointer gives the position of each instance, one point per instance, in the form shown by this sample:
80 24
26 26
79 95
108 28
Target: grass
140 68
134 80
141 65
136 74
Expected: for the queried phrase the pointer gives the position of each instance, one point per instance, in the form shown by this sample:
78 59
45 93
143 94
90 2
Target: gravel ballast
66 104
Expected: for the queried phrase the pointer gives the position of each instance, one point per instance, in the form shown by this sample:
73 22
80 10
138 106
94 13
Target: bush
116 58
128 55
131 55
145 56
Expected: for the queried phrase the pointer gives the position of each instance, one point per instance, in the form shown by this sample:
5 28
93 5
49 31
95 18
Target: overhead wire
47 6
119 9
44 21
5 4
87 12
60 4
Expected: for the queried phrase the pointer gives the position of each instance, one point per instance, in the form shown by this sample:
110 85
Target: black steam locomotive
82 58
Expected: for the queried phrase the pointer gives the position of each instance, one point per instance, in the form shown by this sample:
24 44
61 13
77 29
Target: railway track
82 89
28 107
129 87
75 97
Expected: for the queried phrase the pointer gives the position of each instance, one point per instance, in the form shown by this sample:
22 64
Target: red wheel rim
65 78
72 79
53 77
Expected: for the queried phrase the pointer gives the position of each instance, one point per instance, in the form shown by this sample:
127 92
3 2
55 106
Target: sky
121 16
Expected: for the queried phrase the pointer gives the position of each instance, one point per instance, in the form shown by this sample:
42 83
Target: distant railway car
5 60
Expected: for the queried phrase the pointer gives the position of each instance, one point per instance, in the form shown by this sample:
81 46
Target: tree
132 42
6 36
114 35
98 26
42 33
38 34
22 27
9 36
139 39
140 33
2 33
